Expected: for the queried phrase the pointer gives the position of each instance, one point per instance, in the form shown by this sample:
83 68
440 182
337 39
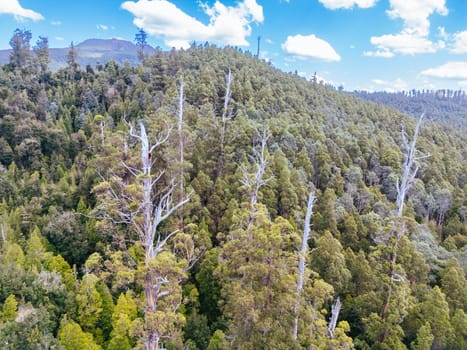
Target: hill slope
445 106
221 272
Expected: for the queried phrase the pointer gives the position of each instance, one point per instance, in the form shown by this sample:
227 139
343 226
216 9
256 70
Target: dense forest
206 200
448 106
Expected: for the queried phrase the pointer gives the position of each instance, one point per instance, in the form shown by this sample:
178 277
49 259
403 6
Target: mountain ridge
92 52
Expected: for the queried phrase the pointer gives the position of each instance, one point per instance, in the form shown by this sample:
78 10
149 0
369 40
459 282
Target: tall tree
41 50
21 50
302 255
226 115
71 59
141 42
144 203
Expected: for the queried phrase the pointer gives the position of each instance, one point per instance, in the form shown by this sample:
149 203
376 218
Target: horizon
365 45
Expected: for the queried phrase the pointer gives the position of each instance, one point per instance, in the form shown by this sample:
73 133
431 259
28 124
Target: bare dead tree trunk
225 114
409 171
254 181
303 252
336 309
152 208
181 149
101 127
3 229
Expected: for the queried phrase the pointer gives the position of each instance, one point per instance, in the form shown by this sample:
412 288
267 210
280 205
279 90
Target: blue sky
360 44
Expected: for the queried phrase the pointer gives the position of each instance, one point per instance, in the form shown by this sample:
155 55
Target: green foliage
124 314
328 260
218 341
255 267
63 138
9 309
72 337
90 304
424 338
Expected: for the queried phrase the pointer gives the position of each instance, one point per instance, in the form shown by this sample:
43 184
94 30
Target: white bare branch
228 80
302 254
181 146
225 114
254 181
408 171
336 308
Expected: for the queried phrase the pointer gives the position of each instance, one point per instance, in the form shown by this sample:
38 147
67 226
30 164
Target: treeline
110 243
436 94
448 106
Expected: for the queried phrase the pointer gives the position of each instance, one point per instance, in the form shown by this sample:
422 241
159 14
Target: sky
373 45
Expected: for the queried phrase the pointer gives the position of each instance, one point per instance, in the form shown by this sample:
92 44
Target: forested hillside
167 205
446 106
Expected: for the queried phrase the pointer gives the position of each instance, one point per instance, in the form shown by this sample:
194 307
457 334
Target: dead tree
226 116
410 167
335 310
409 171
180 145
3 229
143 204
302 253
255 180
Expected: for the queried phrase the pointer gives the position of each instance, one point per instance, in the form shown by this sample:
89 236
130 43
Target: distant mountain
447 106
92 51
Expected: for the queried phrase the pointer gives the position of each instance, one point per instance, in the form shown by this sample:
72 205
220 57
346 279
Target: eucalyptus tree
21 49
143 200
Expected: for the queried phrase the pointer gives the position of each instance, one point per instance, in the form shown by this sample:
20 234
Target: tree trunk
302 259
407 180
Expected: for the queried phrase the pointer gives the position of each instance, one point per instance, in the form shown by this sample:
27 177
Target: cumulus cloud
347 4
228 25
459 42
13 7
415 13
405 43
102 27
413 39
310 46
449 70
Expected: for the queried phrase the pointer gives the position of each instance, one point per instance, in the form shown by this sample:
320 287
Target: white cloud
347 4
56 23
102 27
385 53
460 42
59 38
228 25
415 13
310 46
12 7
449 70
405 43
413 39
